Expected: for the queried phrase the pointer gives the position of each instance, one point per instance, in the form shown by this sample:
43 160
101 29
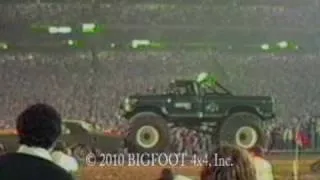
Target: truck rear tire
242 129
148 132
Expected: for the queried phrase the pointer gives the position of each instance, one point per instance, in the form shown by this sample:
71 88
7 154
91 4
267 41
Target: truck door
185 104
212 107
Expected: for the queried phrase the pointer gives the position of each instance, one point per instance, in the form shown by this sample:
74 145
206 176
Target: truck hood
259 98
150 97
243 97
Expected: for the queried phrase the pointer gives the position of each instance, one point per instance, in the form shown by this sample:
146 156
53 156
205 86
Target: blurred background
85 56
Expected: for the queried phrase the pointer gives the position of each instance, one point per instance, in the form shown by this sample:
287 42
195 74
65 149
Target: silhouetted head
166 174
239 166
39 125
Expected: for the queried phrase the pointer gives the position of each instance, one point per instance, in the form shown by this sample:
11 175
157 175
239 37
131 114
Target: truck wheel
242 129
148 133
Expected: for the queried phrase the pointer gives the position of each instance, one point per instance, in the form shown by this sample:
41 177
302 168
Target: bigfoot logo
184 105
212 107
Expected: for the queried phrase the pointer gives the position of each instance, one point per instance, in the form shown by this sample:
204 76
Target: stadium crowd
82 90
223 14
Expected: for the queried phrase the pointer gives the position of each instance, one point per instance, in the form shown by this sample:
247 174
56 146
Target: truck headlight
128 104
126 101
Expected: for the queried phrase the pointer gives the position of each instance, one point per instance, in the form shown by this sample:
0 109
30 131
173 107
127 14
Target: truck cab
184 100
191 103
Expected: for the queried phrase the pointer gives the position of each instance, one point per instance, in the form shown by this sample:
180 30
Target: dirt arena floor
282 169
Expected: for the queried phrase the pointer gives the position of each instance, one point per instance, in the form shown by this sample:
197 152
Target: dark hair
256 150
166 174
39 125
60 146
240 167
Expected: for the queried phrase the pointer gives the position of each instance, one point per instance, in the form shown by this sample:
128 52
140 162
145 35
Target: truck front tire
242 129
148 132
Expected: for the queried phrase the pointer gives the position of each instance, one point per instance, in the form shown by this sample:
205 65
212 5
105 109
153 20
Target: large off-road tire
148 132
242 129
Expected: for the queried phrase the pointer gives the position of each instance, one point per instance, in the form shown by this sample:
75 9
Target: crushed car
80 136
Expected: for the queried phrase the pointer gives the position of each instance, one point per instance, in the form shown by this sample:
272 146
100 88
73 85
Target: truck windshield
181 89
218 89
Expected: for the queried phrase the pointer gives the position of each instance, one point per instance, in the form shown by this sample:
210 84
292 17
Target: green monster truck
192 104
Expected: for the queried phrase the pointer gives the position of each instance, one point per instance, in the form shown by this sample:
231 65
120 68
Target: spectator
302 139
2 124
277 141
167 174
180 177
38 128
263 166
238 165
62 157
3 149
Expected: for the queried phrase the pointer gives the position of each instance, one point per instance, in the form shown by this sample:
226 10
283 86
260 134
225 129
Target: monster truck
81 137
238 119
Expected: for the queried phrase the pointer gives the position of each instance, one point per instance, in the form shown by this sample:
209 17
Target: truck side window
182 91
190 89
